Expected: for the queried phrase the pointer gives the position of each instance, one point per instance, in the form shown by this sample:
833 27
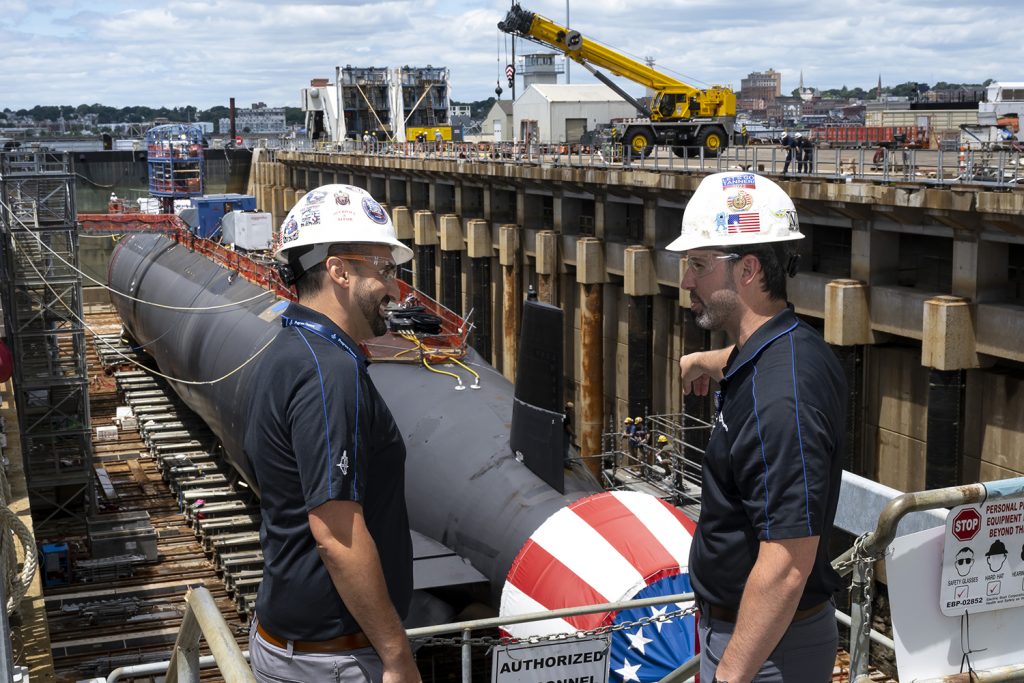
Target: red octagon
966 524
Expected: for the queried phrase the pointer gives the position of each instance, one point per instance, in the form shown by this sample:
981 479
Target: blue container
55 564
212 208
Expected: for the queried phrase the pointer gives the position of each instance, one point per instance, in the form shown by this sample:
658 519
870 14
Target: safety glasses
702 266
386 268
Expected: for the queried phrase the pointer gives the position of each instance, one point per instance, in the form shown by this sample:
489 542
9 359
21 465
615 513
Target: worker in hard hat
627 434
772 466
329 458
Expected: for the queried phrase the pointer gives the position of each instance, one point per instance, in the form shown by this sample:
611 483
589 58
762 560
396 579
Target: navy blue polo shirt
773 465
317 430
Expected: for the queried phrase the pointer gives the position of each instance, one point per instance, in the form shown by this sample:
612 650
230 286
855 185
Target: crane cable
122 294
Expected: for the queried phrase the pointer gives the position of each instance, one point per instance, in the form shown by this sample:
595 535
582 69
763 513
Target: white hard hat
799 134
735 209
335 214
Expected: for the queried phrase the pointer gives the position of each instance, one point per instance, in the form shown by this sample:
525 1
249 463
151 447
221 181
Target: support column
480 251
401 217
947 349
452 244
590 275
848 329
511 304
426 253
640 285
547 267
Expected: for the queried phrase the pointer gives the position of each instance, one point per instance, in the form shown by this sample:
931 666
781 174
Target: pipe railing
939 167
860 558
202 620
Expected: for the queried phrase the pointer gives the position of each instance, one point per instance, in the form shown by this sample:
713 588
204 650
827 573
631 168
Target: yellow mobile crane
680 115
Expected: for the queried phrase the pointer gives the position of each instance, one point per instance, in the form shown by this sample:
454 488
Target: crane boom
679 114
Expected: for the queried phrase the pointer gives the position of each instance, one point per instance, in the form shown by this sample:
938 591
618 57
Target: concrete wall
903 330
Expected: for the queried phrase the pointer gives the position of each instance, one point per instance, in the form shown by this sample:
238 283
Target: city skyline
177 52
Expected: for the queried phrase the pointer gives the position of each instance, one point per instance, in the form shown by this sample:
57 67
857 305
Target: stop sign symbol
966 524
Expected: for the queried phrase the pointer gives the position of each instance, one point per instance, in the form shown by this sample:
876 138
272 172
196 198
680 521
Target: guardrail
940 167
202 619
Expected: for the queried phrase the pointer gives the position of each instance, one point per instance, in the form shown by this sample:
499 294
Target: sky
201 52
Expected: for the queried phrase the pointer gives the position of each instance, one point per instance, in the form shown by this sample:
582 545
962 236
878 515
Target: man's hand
699 368
769 601
350 555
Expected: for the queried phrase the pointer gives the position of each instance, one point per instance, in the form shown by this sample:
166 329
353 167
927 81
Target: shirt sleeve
324 417
784 476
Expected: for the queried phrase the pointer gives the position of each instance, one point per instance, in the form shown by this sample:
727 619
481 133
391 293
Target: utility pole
568 61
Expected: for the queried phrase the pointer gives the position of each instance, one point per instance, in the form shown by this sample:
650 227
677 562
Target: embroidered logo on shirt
343 463
719 416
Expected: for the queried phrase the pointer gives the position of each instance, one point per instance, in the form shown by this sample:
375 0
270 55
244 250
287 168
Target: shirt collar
782 322
297 311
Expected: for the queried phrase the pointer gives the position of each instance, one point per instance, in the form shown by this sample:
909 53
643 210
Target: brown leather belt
729 615
349 641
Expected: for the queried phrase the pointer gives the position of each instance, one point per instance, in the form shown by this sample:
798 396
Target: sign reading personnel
983 557
576 661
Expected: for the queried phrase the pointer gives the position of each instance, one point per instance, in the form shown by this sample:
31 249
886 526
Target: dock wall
920 290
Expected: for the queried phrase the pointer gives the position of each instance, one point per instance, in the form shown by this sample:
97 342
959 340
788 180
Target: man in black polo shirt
772 468
329 459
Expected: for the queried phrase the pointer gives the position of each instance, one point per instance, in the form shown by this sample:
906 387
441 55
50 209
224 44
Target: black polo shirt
316 431
773 465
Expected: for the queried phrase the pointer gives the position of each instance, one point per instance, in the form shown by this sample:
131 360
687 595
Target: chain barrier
504 641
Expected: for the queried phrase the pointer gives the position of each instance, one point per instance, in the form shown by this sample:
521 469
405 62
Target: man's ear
750 266
337 271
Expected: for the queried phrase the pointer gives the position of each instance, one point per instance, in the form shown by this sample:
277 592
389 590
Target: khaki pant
272 664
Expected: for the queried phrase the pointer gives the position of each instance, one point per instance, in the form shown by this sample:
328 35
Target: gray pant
806 653
272 664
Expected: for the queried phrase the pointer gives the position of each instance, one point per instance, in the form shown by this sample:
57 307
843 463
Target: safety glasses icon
964 560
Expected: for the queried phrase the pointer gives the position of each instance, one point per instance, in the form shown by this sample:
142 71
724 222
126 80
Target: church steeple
801 80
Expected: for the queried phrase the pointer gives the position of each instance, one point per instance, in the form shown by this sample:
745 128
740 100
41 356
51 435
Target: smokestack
231 118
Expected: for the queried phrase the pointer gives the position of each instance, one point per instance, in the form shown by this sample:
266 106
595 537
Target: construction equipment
680 115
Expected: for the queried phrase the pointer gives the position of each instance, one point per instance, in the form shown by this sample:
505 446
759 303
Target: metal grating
42 302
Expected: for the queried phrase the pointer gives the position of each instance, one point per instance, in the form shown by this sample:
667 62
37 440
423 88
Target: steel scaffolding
42 303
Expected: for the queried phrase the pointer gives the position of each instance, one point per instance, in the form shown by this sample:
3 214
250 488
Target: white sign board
579 661
983 557
929 644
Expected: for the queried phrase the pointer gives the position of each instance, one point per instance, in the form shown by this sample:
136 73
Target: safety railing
1002 168
870 547
202 620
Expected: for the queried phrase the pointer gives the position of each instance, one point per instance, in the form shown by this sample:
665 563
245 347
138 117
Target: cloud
177 52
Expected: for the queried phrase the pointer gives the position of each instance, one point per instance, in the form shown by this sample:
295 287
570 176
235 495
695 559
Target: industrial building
259 118
563 113
387 103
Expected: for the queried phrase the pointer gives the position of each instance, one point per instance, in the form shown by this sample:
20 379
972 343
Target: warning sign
568 661
983 558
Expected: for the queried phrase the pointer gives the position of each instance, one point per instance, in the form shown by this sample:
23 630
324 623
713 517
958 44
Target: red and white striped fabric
602 548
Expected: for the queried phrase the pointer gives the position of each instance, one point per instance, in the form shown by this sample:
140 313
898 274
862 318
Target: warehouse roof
575 93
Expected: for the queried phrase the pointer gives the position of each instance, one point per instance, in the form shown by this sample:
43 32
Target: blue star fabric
649 653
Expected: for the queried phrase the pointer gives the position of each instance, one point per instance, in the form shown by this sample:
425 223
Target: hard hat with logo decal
334 214
638 419
734 208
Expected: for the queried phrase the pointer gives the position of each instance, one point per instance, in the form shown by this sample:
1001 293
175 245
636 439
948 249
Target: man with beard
772 467
329 459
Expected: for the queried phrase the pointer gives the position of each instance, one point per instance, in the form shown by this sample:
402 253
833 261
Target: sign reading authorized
566 661
983 557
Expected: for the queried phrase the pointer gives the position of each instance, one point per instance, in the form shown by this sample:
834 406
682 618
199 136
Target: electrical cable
131 360
122 294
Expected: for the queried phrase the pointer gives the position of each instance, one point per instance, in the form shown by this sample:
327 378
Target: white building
563 113
497 125
258 119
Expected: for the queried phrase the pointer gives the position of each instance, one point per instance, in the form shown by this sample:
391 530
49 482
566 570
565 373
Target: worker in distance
772 467
329 458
